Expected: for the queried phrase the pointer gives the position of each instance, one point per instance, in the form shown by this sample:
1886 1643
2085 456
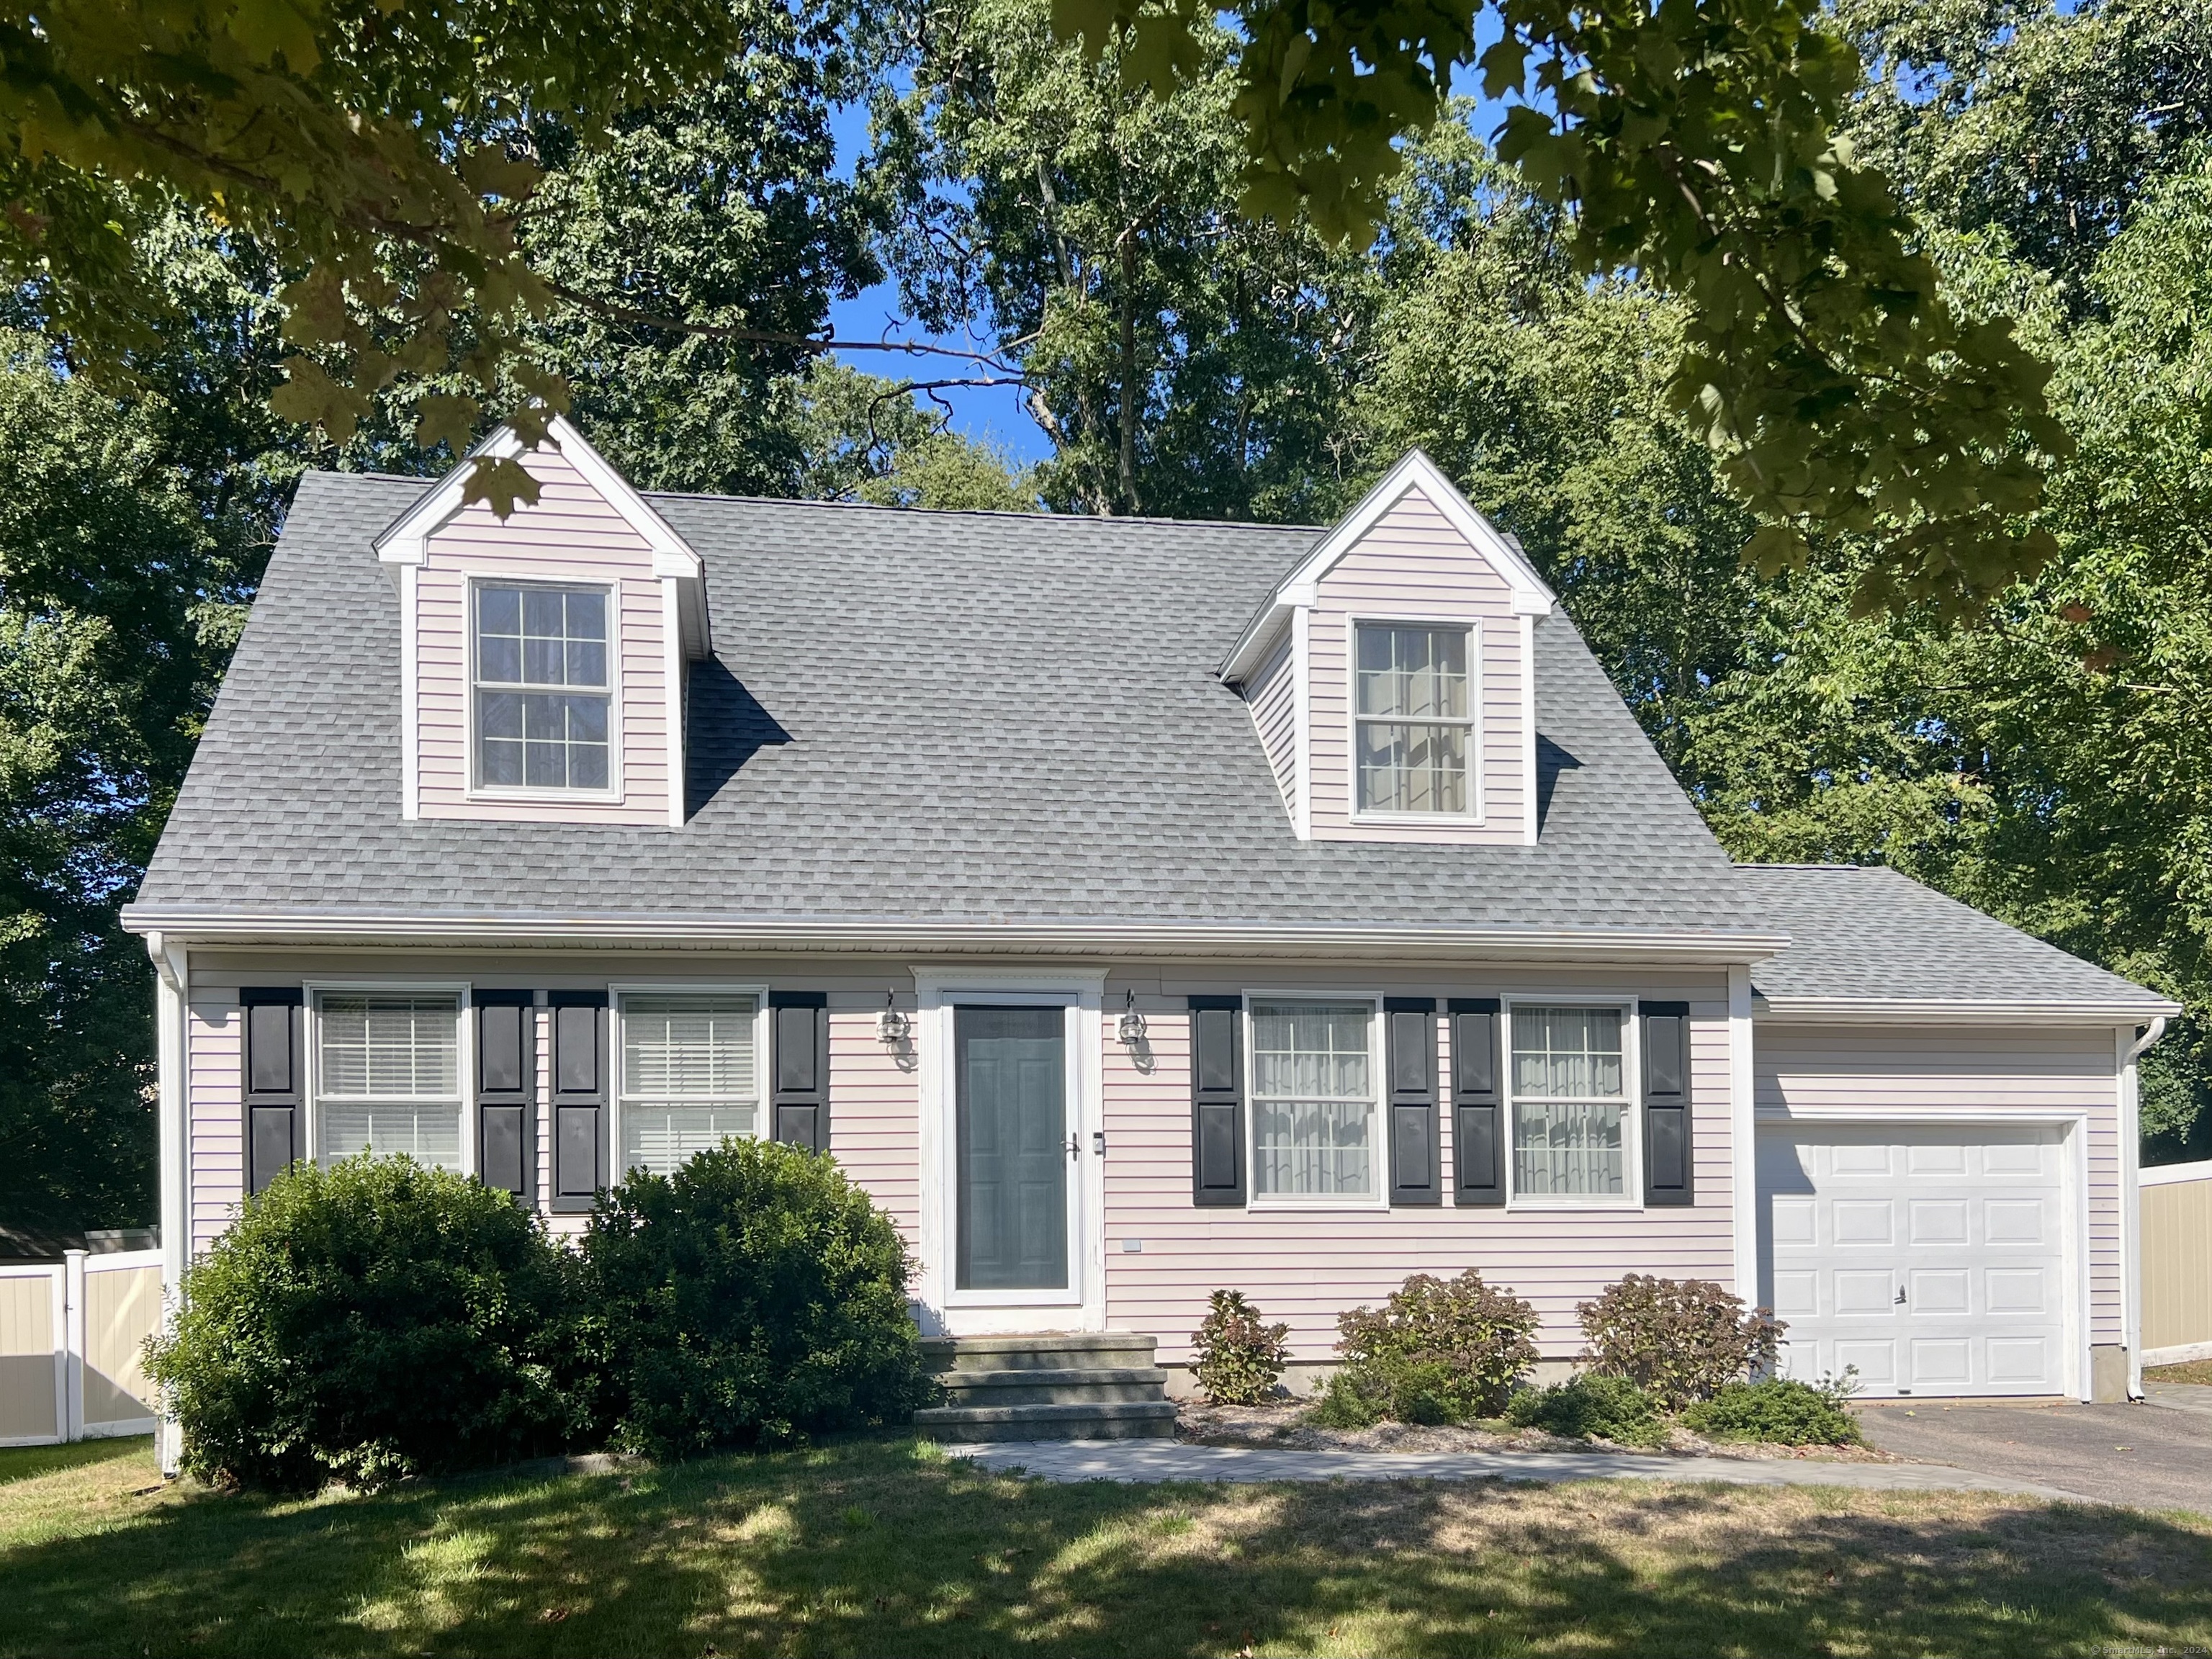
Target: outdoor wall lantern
892 1027
1131 1028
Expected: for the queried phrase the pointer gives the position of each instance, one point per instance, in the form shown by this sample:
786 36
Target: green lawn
882 1547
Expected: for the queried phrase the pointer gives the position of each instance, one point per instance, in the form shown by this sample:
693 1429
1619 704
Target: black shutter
506 1090
1217 1100
1665 1043
800 1021
1416 1143
579 1096
1478 1101
272 1080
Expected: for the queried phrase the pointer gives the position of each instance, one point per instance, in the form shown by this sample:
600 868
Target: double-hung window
1313 1100
689 1075
387 1076
1414 721
1570 1103
542 695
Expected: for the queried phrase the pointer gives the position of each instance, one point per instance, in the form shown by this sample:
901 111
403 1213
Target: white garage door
1931 1258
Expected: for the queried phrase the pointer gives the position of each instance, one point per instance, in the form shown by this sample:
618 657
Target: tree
1695 144
1181 359
2046 123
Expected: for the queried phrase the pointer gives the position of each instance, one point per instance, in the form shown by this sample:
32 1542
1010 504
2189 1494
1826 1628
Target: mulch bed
1280 1425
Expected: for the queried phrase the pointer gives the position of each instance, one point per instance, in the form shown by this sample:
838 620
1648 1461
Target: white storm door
1930 1257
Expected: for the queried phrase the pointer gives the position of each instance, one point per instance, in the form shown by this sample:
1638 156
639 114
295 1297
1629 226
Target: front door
1011 1138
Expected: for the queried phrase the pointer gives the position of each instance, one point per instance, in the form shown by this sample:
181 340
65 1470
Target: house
1134 908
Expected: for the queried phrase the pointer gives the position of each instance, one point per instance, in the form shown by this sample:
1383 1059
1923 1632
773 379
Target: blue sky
991 415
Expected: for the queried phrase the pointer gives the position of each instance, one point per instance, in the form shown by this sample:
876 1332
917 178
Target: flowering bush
1238 1357
1678 1340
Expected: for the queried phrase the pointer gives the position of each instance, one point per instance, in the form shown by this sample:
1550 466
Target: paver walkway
2180 1396
1168 1460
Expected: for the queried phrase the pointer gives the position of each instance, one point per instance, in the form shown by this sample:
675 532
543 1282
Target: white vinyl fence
70 1335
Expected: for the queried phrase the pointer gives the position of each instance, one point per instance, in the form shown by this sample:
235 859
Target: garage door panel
1939 1221
1928 1257
1862 1221
1942 1291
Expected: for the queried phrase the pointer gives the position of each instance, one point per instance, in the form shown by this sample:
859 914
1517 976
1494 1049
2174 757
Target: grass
884 1546
2194 1371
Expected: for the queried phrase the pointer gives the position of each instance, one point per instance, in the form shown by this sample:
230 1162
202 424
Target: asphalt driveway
2157 1456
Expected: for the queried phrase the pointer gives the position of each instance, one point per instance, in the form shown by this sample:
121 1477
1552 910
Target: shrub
1680 1340
371 1321
752 1298
1777 1411
1590 1406
1438 1351
1238 1359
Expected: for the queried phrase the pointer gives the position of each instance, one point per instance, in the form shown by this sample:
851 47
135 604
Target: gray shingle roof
1872 933
930 717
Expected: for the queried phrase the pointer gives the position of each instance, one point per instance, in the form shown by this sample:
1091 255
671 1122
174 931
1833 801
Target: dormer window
542 695
1414 721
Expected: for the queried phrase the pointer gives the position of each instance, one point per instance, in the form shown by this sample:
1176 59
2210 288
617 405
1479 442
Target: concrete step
1067 1386
1044 1351
1131 1419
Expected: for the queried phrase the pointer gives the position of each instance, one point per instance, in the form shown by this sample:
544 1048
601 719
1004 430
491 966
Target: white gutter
1961 1011
906 935
2131 1138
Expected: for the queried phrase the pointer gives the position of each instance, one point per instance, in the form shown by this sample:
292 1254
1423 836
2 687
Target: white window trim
1378 1153
1478 804
612 795
464 1068
1632 1105
763 1037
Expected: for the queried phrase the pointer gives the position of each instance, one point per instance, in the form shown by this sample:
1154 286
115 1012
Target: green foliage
754 1297
369 1321
381 149
131 530
864 440
1590 1407
1237 1358
1777 1412
1437 1350
1695 145
1680 1339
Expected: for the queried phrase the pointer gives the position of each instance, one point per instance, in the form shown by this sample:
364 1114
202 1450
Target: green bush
1777 1411
1238 1359
1680 1340
752 1298
1438 1351
1590 1407
373 1320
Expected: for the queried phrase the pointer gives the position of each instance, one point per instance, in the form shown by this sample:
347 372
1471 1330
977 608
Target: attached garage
1933 1258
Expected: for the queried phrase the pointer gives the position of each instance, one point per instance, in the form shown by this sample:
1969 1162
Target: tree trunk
1132 396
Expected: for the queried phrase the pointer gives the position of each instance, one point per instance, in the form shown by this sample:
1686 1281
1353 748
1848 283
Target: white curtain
1313 1098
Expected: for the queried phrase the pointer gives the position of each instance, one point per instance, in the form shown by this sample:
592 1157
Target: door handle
1074 1146
1900 1296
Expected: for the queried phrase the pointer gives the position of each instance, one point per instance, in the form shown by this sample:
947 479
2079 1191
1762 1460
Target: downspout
2131 1202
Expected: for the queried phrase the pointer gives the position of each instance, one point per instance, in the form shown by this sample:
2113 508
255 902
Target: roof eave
871 935
1963 1011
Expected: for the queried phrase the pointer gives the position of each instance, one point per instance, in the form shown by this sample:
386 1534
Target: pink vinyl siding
215 1148
1415 564
1306 1267
1912 1070
1272 695
573 534
875 1117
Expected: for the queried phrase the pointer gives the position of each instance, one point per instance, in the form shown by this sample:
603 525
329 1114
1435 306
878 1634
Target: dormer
1392 677
544 656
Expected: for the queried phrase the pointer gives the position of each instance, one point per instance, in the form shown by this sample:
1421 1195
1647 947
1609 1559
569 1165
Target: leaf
270 28
491 171
315 309
499 484
311 397
448 418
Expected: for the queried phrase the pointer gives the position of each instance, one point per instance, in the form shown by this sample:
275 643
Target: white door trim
1082 1306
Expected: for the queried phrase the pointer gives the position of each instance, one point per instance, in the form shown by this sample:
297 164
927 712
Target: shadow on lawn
867 1548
